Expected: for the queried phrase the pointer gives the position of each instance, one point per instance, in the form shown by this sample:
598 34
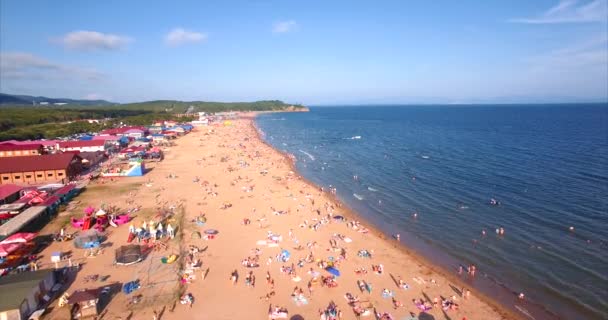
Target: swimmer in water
415 215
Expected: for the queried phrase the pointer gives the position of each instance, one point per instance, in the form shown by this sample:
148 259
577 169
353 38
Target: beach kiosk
83 304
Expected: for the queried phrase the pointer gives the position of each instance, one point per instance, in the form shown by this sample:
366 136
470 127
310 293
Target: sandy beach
250 194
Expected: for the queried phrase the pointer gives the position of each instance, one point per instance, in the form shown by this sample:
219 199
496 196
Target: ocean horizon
429 172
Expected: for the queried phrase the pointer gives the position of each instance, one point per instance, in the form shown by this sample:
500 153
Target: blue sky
311 52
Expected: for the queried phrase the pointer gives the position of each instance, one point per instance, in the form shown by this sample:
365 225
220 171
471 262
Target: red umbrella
21 237
6 249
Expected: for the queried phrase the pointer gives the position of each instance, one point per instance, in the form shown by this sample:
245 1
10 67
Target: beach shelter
84 303
88 240
128 254
6 249
21 237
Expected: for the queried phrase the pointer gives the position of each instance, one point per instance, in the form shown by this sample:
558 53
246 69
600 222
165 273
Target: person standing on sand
154 315
310 288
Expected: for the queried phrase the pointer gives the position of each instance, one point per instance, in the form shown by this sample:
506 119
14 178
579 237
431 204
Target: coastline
229 160
504 311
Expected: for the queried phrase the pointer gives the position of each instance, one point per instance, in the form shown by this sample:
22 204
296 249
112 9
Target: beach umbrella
6 249
100 212
21 237
285 254
211 231
339 217
333 271
195 234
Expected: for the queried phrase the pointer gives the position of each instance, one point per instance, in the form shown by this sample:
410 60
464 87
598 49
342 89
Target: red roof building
9 193
38 169
19 150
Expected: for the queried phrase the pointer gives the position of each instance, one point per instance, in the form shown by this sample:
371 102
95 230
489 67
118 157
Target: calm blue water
547 165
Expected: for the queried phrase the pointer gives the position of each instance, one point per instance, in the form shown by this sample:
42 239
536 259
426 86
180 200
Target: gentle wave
310 156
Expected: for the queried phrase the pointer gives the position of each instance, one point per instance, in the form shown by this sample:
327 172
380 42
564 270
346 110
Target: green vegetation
49 123
181 106
23 122
170 106
22 116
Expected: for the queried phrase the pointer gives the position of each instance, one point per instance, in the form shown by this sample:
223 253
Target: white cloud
578 68
179 36
569 11
585 57
93 40
22 65
284 26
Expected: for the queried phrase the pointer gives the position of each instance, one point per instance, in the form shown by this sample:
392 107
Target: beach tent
128 254
88 239
21 237
137 169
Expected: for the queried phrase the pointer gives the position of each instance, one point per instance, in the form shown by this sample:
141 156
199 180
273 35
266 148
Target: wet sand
259 183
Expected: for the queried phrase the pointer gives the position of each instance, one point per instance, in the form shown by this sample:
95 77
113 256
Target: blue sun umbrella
333 271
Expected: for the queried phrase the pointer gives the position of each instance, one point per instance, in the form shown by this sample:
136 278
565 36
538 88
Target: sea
430 172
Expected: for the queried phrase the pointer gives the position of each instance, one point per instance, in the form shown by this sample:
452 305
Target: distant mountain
13 99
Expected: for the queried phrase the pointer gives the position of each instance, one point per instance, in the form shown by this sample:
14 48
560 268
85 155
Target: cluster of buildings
44 161
37 177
